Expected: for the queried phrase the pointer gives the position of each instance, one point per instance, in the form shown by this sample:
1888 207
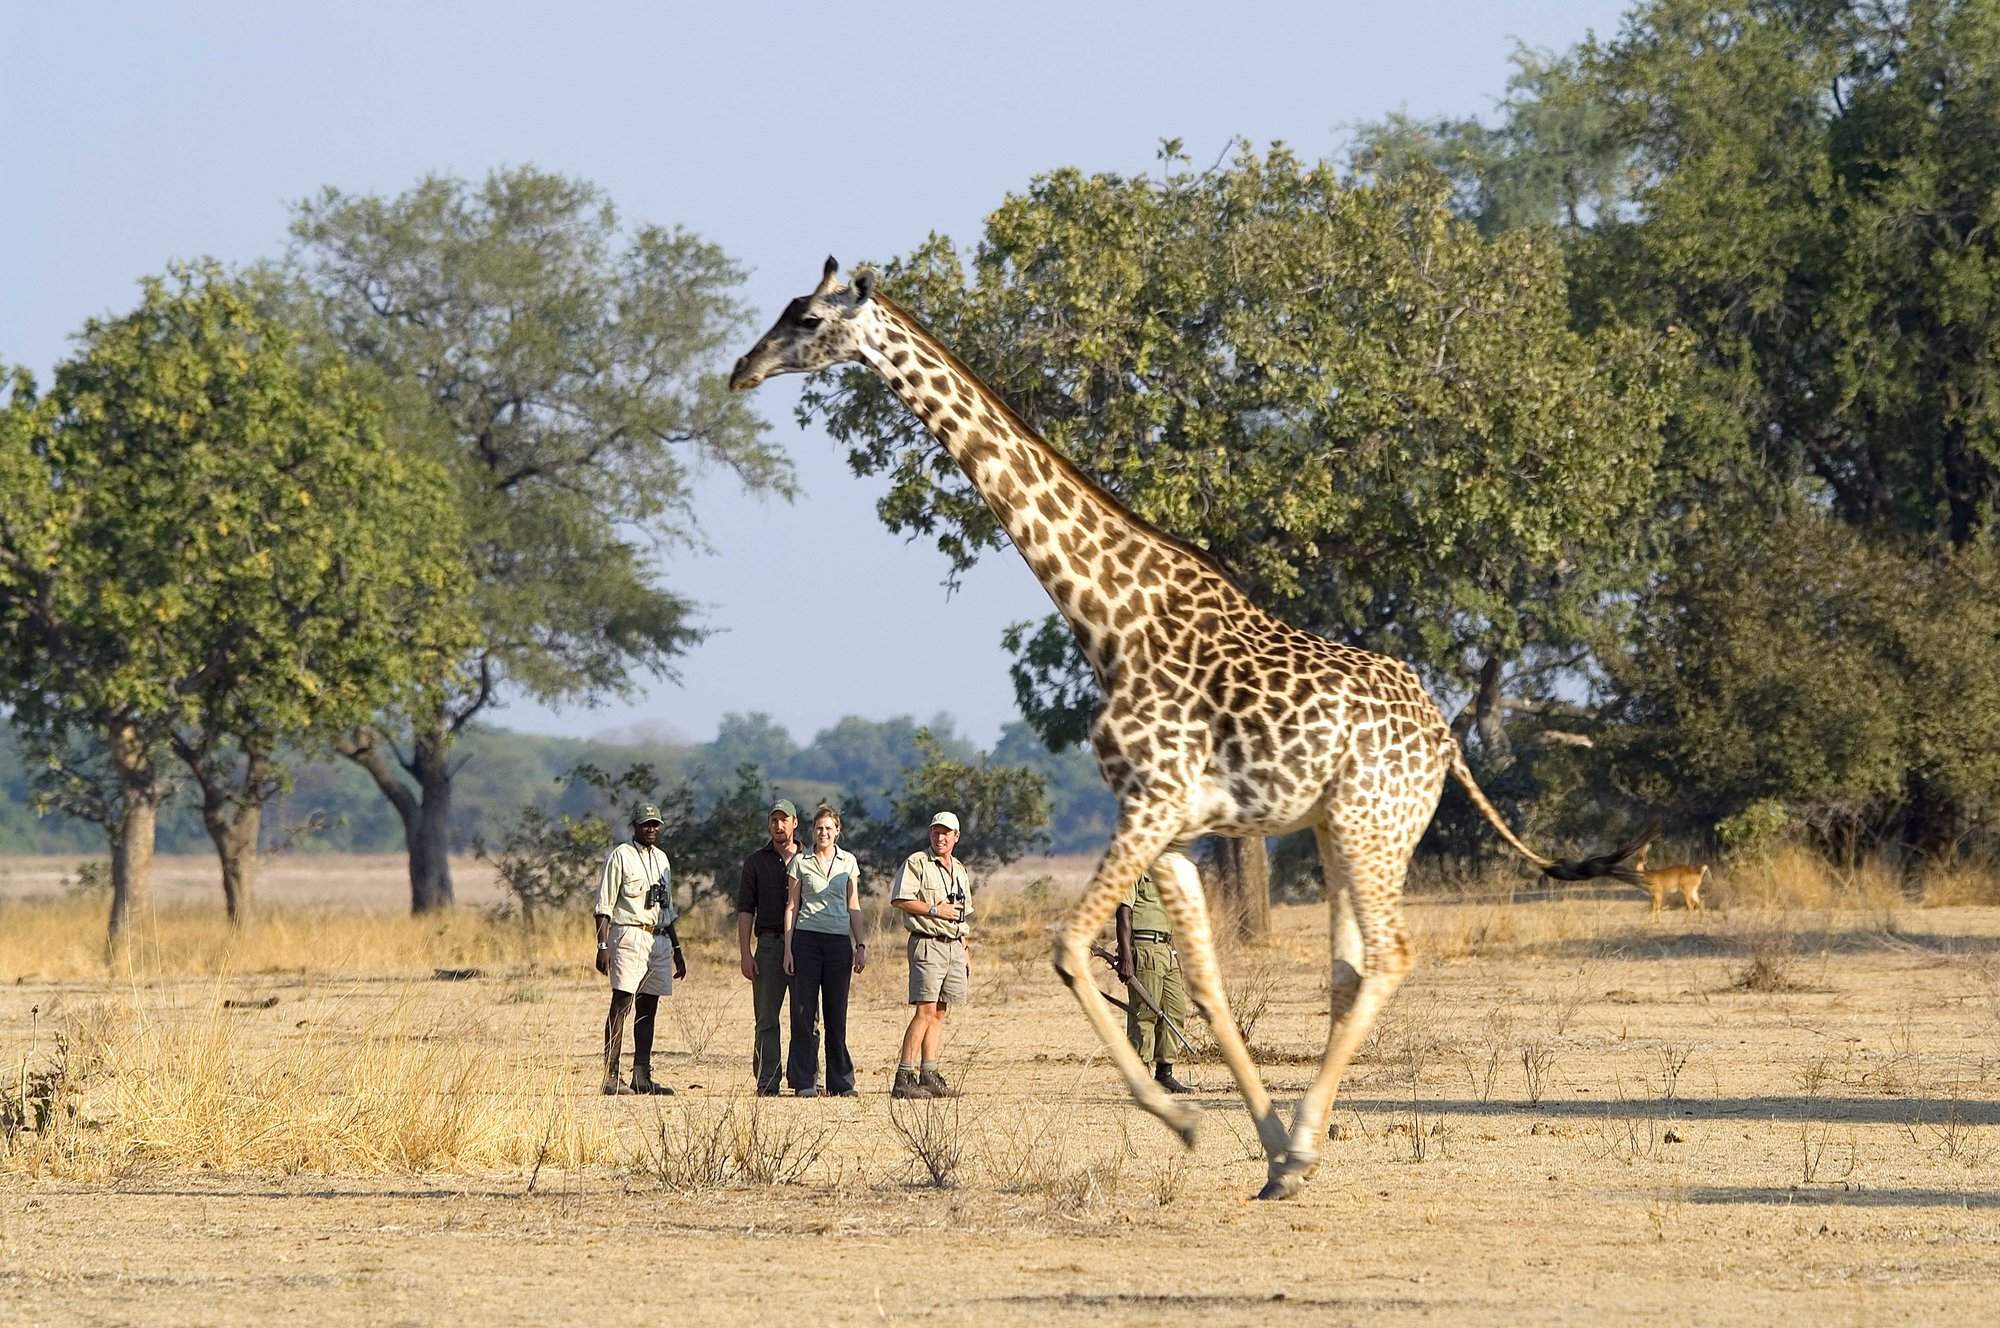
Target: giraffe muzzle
745 375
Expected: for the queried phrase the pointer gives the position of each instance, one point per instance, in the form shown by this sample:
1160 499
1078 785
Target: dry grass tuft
700 1147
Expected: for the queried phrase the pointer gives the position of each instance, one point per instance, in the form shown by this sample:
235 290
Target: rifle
1146 998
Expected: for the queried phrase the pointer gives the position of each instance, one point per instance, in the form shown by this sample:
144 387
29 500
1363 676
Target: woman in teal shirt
823 952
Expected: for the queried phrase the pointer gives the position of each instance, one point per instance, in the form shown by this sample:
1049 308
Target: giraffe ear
826 275
864 286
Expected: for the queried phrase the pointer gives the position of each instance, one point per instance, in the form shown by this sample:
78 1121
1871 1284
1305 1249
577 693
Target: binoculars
656 894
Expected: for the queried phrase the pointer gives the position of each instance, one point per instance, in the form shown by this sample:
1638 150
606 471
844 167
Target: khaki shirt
629 874
1148 913
923 877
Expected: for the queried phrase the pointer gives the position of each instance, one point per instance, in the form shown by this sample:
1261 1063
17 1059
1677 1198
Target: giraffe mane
1063 463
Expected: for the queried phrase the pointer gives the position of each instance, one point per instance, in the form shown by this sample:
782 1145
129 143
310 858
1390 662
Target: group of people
800 935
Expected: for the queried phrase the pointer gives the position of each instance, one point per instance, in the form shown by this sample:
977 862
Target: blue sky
133 135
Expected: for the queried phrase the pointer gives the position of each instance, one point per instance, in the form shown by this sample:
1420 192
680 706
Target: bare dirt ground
1572 1113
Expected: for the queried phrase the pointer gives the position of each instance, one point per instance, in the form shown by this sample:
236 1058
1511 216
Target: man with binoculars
933 892
638 947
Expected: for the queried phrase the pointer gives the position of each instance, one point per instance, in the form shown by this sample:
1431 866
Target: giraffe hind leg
1368 914
1122 863
1180 891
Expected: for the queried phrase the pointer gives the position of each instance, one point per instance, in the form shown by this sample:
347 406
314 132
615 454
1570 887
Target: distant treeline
333 806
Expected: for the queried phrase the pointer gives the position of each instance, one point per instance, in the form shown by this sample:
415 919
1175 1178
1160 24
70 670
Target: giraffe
1217 717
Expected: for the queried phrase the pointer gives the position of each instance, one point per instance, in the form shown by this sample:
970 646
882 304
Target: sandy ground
1688 1152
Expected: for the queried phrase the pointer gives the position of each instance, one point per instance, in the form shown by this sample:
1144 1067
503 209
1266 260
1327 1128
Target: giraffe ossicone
1217 718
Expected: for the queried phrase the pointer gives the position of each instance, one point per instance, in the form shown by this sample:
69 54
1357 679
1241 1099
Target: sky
133 135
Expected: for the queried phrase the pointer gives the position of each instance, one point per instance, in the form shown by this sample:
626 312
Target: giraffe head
816 330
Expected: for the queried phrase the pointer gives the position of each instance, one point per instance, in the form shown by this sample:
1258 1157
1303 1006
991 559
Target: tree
1794 663
1002 812
1553 159
567 369
1820 210
181 567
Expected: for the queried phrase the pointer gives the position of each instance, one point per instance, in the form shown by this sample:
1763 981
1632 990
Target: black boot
642 1082
907 1085
933 1084
1163 1075
642 1047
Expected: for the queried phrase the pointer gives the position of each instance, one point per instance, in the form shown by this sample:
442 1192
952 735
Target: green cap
645 812
785 805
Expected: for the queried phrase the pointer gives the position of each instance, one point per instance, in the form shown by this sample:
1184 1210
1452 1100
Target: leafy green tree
1553 158
872 755
183 567
1820 210
1002 811
1379 419
567 370
551 859
1796 663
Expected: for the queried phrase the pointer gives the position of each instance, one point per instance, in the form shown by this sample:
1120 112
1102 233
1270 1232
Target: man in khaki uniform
1146 959
638 947
933 892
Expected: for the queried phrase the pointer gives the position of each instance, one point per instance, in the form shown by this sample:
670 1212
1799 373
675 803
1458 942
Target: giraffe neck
1096 560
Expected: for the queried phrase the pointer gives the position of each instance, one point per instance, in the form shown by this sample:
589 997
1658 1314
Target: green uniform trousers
1156 968
768 1001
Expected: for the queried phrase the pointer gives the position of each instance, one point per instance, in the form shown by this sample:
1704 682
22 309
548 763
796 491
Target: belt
1163 937
646 927
770 931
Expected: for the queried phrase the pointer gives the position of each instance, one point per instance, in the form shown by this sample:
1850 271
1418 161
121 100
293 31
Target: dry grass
64 938
132 1088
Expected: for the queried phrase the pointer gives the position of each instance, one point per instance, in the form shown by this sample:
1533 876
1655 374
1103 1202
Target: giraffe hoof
1282 1186
1183 1119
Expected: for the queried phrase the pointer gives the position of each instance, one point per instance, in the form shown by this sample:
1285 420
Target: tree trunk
425 813
1489 718
429 838
1243 886
131 833
232 828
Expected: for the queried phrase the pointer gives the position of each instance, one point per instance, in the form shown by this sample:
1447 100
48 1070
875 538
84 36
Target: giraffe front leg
1121 865
1180 891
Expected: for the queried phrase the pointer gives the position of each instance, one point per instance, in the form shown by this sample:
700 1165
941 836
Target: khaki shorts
641 961
937 970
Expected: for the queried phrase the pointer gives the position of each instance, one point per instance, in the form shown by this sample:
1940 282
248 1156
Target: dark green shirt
1148 913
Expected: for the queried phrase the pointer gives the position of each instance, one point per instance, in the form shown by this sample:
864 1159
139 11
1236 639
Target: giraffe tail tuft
1614 864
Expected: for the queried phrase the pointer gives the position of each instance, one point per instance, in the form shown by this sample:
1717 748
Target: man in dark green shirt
1146 959
760 939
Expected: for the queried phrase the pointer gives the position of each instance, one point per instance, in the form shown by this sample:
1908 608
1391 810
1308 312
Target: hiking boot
642 1083
908 1086
616 1088
1163 1075
808 1092
932 1082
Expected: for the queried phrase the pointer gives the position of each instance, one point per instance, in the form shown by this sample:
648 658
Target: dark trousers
822 972
767 995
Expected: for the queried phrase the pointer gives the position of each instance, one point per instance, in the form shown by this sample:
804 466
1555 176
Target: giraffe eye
809 320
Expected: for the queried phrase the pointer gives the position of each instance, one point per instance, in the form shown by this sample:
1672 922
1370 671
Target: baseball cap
785 805
645 812
945 819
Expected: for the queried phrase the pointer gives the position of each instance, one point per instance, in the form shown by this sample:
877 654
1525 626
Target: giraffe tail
1615 864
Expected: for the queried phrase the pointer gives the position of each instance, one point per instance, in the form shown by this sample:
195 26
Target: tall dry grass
120 1088
64 938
